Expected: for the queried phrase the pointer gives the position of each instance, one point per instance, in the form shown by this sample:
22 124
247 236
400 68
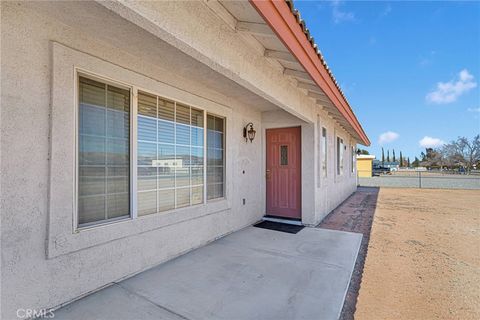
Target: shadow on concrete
354 215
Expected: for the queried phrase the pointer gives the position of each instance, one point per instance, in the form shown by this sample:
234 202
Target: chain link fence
419 179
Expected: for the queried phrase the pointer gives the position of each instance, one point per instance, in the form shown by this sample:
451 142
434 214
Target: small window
340 152
324 152
215 157
283 155
352 164
103 152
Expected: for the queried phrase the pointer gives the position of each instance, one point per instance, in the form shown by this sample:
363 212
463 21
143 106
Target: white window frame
319 152
134 149
324 152
224 146
63 236
133 156
340 155
322 167
352 159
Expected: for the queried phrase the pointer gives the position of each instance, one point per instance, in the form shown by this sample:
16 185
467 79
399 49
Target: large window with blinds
103 152
170 155
179 152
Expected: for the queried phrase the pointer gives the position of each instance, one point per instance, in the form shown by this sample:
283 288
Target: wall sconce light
249 132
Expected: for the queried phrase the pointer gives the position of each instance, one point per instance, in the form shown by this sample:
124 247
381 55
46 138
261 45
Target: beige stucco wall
230 76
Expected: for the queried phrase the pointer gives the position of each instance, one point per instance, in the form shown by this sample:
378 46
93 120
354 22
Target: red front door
283 172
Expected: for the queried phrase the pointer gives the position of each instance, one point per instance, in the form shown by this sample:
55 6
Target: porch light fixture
249 132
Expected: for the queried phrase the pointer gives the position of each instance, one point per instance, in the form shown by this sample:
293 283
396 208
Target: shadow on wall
355 214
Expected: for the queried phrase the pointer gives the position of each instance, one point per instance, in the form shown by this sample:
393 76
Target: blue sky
410 70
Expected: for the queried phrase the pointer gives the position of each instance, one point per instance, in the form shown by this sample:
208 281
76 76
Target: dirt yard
423 258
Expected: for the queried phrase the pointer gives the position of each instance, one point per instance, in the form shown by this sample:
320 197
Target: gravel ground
354 215
433 181
423 256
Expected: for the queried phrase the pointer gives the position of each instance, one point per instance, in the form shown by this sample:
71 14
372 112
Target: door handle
267 174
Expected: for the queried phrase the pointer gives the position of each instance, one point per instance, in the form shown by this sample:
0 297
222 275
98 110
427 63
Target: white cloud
386 11
339 15
427 59
448 92
429 142
424 62
387 137
474 110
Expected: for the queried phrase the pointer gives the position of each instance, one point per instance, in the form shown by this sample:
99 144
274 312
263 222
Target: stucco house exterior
133 132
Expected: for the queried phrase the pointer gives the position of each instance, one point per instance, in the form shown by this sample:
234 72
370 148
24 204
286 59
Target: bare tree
469 150
462 152
451 157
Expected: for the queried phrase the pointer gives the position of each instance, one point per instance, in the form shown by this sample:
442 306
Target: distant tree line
402 161
460 153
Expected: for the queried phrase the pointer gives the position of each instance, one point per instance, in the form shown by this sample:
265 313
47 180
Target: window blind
104 152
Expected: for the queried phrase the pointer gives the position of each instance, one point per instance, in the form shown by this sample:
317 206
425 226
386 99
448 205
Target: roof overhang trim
278 15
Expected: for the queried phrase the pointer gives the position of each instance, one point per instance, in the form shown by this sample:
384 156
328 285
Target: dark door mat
277 226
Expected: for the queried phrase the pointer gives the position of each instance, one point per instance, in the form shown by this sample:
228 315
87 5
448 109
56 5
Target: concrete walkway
251 274
354 215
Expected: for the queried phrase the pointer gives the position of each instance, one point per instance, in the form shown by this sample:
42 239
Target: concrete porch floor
251 274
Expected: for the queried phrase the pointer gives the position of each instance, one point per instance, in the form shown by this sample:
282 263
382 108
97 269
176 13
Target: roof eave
279 16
